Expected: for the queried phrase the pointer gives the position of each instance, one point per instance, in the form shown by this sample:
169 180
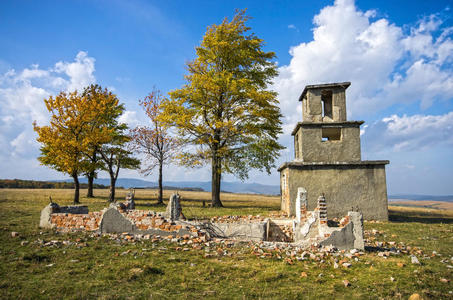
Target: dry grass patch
111 269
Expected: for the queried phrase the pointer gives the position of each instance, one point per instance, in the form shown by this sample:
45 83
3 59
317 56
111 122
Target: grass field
424 204
86 266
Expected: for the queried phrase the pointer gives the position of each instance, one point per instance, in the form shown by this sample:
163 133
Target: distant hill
232 187
399 197
229 187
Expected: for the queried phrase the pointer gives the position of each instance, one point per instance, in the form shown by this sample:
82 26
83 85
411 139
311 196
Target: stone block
74 209
46 215
113 221
243 231
174 209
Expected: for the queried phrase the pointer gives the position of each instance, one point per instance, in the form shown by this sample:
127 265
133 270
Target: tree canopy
225 109
154 141
78 123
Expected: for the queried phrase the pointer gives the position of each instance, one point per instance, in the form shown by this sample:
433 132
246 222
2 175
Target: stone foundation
312 227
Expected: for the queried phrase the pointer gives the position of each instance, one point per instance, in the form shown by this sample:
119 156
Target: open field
109 268
423 204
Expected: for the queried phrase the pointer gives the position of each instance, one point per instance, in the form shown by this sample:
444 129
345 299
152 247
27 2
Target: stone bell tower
328 159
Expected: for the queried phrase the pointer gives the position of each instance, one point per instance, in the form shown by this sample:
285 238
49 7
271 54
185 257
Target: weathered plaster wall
312 148
312 111
361 185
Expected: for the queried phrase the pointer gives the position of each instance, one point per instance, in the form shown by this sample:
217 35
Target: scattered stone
346 283
444 280
14 234
346 265
400 264
135 272
392 279
303 274
335 265
415 297
414 260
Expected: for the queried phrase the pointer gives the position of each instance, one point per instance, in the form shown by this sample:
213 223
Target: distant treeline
33 184
172 188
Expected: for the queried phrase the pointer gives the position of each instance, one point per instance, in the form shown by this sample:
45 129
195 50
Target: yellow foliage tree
77 123
225 108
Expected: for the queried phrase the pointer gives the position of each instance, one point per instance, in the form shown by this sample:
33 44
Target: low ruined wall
113 220
349 233
141 219
253 231
71 222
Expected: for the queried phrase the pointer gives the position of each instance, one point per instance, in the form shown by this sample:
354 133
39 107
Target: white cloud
23 143
408 133
385 65
130 118
21 102
80 71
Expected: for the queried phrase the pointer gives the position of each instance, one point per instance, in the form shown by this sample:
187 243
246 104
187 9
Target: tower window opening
331 134
326 101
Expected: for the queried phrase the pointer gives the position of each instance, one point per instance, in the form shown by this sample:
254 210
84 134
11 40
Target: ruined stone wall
71 222
346 186
142 219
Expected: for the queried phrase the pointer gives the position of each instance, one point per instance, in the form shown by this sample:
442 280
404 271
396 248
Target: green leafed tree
225 109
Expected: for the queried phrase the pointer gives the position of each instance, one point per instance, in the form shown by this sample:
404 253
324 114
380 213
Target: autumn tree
109 119
225 108
74 126
116 156
154 141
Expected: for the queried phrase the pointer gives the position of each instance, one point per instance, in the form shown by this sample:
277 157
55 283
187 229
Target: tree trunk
112 187
160 200
76 189
216 178
90 184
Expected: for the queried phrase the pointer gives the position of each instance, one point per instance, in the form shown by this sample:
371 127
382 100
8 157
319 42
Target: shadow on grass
420 217
266 208
196 200
155 204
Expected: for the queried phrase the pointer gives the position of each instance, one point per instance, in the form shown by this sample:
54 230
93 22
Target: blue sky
397 54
